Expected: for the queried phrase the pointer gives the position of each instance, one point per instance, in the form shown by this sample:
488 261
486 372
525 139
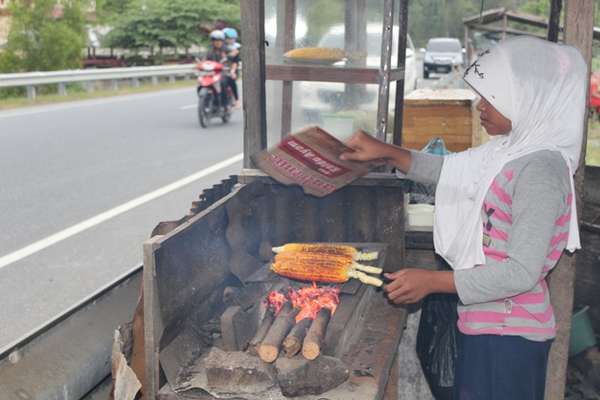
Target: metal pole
289 37
385 69
399 104
554 21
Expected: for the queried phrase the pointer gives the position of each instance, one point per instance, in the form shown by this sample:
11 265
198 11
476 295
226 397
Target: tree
43 37
150 24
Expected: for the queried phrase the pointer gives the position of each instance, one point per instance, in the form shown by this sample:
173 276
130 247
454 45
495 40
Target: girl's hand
410 285
365 148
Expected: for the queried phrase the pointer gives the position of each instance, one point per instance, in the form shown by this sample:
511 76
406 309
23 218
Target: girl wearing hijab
504 213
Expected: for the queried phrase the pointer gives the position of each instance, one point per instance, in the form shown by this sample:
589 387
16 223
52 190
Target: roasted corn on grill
323 267
327 248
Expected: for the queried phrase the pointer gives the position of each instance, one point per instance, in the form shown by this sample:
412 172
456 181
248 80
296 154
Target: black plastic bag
437 343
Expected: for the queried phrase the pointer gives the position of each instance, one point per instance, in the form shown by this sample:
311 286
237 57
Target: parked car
441 55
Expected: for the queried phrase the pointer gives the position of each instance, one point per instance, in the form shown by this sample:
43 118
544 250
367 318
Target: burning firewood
285 320
274 302
293 342
300 307
327 248
311 348
262 330
318 267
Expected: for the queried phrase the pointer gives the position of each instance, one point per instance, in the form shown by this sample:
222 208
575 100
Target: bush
38 41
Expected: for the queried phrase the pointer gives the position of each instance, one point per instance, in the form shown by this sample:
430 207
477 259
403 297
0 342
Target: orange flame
276 300
311 299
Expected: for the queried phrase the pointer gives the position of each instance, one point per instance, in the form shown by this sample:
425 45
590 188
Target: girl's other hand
408 285
365 148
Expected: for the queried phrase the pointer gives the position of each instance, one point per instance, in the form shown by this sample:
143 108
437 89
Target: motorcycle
210 85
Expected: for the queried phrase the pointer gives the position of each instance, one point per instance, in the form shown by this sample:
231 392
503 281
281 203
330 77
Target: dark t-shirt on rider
218 55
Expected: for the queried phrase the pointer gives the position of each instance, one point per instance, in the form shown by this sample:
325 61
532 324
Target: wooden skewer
311 348
285 320
261 332
293 342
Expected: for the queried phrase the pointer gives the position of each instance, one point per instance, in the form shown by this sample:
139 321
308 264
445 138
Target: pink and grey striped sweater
526 223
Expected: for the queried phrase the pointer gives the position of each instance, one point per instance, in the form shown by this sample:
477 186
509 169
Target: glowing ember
276 300
308 299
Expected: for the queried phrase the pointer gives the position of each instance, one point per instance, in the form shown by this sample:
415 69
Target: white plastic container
420 215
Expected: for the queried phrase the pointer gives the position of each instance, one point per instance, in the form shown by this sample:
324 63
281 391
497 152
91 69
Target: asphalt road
64 170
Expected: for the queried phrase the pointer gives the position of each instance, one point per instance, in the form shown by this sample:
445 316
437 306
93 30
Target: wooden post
383 103
399 103
554 20
355 43
579 24
289 38
467 46
504 25
254 93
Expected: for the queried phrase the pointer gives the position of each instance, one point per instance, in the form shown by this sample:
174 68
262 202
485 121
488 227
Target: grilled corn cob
322 268
327 248
316 53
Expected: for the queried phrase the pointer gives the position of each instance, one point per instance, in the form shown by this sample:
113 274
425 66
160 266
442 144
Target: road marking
42 109
113 212
188 106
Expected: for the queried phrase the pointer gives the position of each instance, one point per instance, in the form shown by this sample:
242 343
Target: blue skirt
493 367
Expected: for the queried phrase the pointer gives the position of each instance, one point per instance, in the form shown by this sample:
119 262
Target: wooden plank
383 98
579 25
399 101
317 73
254 92
503 30
152 321
554 21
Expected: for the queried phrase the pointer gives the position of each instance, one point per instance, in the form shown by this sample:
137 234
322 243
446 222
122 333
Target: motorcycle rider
233 55
218 53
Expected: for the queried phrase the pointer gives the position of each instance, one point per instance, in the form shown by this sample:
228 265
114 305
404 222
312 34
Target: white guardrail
32 79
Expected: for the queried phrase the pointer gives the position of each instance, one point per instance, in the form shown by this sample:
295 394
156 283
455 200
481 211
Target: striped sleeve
424 168
538 202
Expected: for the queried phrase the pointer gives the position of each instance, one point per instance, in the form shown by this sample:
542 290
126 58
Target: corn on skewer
334 260
326 248
319 269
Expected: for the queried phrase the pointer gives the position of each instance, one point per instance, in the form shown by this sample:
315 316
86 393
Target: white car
441 55
328 103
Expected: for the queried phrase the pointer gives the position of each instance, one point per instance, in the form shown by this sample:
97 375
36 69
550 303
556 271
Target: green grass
78 94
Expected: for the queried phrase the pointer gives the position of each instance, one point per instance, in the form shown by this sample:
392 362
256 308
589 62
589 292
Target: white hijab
541 87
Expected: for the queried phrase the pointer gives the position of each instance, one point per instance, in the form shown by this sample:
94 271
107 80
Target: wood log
293 341
285 320
262 331
311 348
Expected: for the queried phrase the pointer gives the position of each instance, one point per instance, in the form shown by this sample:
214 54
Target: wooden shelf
317 73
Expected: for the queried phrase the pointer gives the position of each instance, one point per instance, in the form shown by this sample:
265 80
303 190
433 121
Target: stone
298 376
237 372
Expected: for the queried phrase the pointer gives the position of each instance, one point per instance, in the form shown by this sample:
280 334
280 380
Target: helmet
217 35
230 33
